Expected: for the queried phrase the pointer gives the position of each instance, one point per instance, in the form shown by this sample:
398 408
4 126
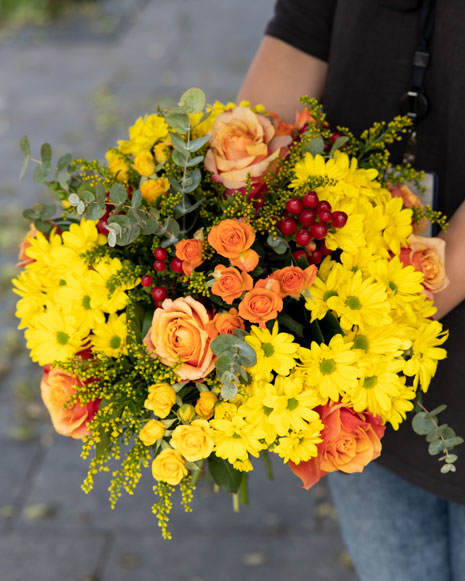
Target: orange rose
409 200
262 303
179 332
293 280
233 238
56 388
351 440
190 252
223 323
23 258
230 283
243 144
427 255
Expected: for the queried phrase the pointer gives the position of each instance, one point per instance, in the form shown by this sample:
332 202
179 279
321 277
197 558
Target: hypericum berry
176 265
303 237
294 206
102 226
311 246
310 200
319 230
298 254
315 257
159 265
288 226
160 253
339 219
325 216
335 136
159 294
146 280
324 249
324 205
307 217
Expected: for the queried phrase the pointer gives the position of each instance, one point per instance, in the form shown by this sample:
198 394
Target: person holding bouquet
369 60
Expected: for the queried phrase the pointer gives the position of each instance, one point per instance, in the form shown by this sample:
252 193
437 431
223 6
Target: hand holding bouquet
228 286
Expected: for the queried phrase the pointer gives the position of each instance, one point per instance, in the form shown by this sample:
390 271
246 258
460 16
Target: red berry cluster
308 220
160 293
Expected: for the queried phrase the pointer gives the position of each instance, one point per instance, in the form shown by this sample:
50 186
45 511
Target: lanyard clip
414 104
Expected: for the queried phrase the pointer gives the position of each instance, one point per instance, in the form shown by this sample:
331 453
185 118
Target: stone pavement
79 85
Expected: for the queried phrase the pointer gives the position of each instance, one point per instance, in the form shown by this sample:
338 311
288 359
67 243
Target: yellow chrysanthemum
235 439
110 337
117 300
79 293
325 288
275 351
255 412
144 134
331 368
399 226
300 446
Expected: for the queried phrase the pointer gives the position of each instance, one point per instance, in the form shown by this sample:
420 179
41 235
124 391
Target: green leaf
223 343
340 142
196 144
73 199
223 364
451 458
224 474
179 158
243 490
118 194
41 172
195 161
330 326
48 212
204 117
25 146
63 179
448 468
228 389
179 144
94 211
194 99
111 238
34 212
313 332
247 355
64 161
178 121
436 433
46 153
24 165
80 208
136 200
279 245
267 464
452 442
192 181
315 146
291 324
435 447
422 424
100 195
438 410
42 226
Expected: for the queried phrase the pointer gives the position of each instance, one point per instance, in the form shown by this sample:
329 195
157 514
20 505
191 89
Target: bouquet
228 286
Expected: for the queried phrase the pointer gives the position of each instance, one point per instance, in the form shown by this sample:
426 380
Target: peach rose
230 283
262 303
205 406
428 256
293 280
190 252
223 323
232 239
23 258
243 144
56 388
178 333
351 440
409 200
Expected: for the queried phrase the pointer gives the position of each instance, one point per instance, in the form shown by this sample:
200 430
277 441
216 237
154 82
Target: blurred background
77 73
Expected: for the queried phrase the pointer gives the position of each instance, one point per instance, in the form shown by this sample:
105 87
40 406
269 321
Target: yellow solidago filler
144 134
291 404
110 337
152 189
331 368
205 406
300 446
153 431
161 399
144 163
117 165
361 302
426 353
194 441
235 439
275 351
169 467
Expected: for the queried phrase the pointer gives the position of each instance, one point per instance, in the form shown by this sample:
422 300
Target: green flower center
393 286
268 349
353 303
292 403
370 382
236 436
115 342
361 342
62 338
62 282
86 302
267 411
327 366
328 294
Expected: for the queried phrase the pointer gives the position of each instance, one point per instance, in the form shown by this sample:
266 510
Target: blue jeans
397 532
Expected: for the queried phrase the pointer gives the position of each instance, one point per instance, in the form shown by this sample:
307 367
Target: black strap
414 103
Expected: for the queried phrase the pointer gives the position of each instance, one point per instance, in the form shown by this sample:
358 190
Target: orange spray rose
293 280
230 283
262 303
190 252
232 239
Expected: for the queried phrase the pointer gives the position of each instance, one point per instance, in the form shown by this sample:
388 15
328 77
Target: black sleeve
304 24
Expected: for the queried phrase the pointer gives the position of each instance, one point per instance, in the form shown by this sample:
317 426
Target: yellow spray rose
151 189
144 163
161 152
193 441
151 432
117 166
169 467
161 399
205 406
